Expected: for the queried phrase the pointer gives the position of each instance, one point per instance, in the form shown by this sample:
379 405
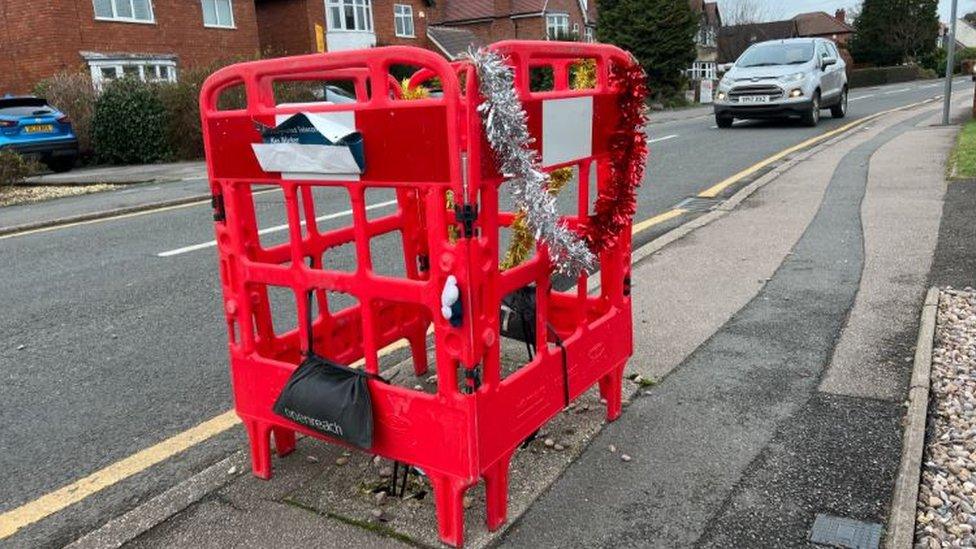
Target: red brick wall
47 37
385 30
285 27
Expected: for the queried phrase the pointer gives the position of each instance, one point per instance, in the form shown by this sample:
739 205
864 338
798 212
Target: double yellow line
53 502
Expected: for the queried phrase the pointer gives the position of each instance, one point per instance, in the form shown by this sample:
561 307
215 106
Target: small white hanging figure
451 301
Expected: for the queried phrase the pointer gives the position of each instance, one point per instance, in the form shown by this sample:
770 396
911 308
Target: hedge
130 124
876 76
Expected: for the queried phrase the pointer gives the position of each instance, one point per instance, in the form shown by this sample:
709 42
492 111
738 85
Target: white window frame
362 15
402 15
589 35
132 9
556 22
219 24
163 70
703 70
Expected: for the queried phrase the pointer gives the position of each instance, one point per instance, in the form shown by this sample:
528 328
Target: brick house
151 39
820 24
706 41
447 26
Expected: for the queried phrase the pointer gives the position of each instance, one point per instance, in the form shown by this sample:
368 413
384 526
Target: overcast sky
778 9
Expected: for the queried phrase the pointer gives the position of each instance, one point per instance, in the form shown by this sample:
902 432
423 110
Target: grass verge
962 163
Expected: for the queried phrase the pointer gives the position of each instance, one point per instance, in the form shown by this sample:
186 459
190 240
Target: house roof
469 10
734 40
452 41
819 23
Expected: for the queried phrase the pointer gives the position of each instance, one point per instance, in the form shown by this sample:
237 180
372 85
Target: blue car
32 127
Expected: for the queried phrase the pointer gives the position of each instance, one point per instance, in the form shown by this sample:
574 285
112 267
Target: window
105 69
403 20
703 70
350 15
557 26
131 11
588 34
218 13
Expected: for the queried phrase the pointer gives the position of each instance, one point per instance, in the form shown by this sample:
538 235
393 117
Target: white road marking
212 243
860 97
665 138
901 90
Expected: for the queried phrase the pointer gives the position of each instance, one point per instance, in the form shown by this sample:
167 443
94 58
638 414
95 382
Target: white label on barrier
299 158
567 129
342 118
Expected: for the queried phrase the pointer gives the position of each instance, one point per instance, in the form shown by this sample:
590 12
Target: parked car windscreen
24 106
768 55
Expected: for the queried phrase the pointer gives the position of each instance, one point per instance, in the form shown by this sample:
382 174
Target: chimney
841 15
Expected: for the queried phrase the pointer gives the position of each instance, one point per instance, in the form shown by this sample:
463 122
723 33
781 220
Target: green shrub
130 124
73 94
181 100
14 168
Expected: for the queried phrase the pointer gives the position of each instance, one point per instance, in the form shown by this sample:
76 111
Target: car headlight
795 77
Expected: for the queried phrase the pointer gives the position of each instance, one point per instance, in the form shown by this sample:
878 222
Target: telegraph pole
950 61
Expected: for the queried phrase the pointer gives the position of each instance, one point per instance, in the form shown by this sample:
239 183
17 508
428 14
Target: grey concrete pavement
901 215
736 447
140 173
129 198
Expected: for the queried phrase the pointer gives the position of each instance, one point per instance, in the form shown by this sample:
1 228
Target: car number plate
754 99
39 128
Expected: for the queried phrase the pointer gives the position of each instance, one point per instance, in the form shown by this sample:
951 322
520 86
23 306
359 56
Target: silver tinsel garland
507 131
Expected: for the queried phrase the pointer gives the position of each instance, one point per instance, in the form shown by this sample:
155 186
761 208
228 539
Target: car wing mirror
829 61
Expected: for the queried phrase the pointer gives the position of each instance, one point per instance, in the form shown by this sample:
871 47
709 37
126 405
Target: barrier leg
284 441
611 389
448 495
260 436
496 492
418 348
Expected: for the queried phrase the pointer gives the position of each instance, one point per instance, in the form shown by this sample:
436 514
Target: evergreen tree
659 33
890 32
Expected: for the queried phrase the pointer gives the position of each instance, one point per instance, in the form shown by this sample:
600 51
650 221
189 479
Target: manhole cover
842 532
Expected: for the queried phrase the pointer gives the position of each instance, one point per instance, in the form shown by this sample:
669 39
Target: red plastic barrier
423 148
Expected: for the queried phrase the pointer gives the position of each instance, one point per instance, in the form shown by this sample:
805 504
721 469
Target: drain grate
696 204
847 533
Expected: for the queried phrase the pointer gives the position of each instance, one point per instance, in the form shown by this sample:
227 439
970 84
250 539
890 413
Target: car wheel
60 164
840 109
812 117
724 121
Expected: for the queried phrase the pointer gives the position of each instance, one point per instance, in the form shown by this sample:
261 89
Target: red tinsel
616 203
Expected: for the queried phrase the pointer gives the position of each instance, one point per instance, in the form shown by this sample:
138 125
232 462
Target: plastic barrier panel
431 155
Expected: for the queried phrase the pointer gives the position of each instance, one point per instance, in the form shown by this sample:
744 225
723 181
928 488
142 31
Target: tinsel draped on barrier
506 129
616 203
507 132
522 241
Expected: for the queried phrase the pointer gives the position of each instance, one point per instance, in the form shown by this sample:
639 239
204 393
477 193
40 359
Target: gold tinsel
584 74
523 242
408 93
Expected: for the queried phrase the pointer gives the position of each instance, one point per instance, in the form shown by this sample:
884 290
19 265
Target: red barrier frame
474 423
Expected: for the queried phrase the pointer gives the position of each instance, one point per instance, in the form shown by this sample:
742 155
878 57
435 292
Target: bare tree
742 12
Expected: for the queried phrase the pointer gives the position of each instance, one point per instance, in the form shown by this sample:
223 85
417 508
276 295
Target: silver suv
783 78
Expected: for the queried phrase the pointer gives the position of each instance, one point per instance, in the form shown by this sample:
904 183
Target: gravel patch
946 512
10 196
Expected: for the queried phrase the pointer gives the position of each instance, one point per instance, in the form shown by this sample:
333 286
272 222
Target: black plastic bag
329 398
518 315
